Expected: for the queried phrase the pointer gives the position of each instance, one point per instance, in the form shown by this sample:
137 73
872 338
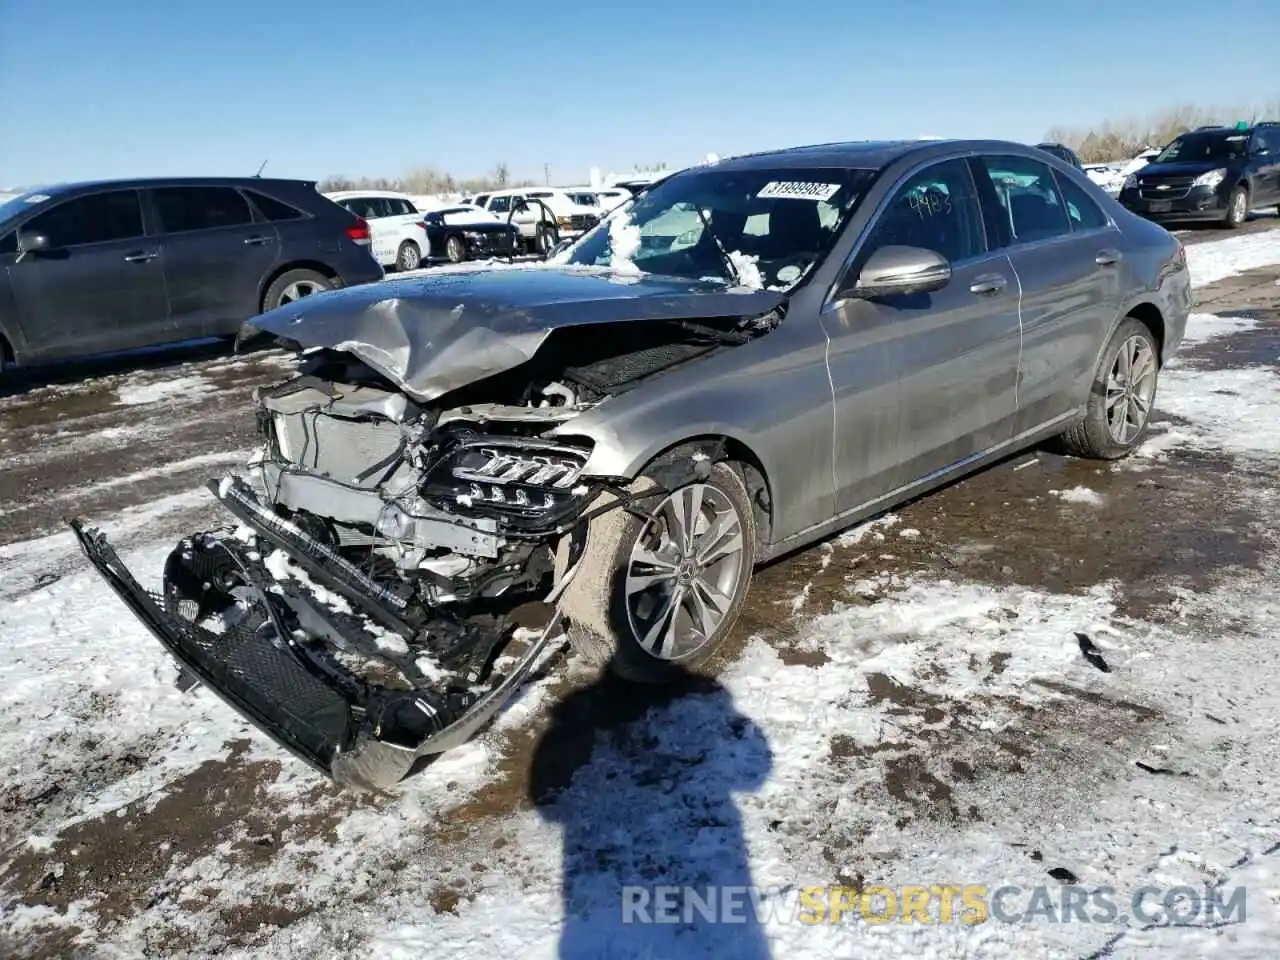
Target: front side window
180 209
9 243
937 209
500 204
1218 146
1083 213
1031 208
767 227
100 218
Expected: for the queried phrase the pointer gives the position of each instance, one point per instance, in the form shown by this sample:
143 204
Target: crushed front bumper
287 686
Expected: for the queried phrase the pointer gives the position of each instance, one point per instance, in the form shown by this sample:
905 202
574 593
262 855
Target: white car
399 237
544 215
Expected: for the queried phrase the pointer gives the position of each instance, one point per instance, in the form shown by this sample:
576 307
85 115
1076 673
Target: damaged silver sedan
469 467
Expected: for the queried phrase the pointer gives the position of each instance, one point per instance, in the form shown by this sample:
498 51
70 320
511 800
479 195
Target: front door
924 382
215 257
98 286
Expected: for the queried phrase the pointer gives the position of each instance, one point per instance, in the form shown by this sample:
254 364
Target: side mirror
900 270
1261 151
29 243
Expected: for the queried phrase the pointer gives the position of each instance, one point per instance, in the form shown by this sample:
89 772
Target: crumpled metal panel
429 335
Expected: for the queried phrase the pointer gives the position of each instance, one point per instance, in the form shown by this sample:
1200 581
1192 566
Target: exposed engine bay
394 565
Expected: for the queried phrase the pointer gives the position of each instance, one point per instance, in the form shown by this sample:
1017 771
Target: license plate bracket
1160 206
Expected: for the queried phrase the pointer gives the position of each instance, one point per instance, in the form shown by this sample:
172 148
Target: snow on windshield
757 227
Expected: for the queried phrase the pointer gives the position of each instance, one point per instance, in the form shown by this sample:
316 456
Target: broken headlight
514 478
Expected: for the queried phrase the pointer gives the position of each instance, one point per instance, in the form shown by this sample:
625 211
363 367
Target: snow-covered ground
925 728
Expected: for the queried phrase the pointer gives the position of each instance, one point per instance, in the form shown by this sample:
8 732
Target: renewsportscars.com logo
967 904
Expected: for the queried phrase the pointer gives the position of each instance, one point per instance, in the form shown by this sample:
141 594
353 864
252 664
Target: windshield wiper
728 261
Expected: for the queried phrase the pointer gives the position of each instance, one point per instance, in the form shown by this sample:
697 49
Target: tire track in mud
1157 526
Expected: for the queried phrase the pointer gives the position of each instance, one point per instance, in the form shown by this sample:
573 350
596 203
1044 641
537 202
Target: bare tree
1119 139
501 174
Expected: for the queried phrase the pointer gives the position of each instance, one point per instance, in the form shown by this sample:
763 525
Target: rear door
215 257
924 383
1068 261
100 284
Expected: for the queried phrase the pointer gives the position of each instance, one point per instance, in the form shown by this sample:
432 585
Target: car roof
864 154
345 194
139 183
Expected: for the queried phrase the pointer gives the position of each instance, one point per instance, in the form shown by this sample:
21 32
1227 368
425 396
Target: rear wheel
658 593
1237 208
409 256
293 285
1121 398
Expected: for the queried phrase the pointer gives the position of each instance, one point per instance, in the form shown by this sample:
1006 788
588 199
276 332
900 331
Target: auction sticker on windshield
798 190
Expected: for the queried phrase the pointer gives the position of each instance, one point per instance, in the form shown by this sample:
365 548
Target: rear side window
401 207
101 218
199 208
500 204
1083 213
1031 208
371 208
273 210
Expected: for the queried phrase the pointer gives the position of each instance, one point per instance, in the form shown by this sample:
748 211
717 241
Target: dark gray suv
90 268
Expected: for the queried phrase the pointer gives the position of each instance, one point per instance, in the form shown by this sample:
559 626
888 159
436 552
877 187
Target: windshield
18 204
759 228
1214 147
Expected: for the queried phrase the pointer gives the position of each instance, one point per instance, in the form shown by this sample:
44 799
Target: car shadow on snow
641 779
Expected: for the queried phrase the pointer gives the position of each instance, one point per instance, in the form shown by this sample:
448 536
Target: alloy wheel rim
299 289
455 249
1130 388
409 258
684 571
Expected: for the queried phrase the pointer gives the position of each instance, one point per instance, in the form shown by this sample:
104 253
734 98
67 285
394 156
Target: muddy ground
1164 524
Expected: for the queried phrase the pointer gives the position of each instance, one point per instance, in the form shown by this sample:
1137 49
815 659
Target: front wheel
455 249
1120 401
1237 208
658 593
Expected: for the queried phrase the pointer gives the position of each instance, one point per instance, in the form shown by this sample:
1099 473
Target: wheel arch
318 266
1149 315
721 447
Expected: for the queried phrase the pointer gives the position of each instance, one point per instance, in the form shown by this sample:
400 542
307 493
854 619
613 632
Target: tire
455 249
547 238
1237 208
409 256
1106 433
608 626
294 285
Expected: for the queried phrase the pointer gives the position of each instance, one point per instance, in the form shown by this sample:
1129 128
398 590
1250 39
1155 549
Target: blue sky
137 87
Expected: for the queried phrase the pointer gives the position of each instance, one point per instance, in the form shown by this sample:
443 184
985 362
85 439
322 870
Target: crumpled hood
432 334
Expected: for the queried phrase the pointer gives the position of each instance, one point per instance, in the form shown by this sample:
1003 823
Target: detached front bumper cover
306 702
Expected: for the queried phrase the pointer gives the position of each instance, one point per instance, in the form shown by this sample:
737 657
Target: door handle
988 285
256 241
1108 258
140 257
